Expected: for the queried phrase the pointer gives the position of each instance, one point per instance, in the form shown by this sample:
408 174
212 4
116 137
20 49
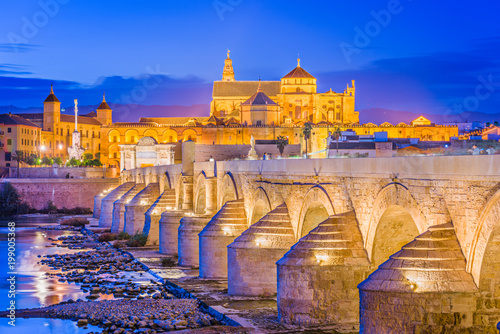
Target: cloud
17 47
440 82
13 69
146 89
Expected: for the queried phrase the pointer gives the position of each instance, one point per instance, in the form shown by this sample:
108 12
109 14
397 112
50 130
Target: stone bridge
403 244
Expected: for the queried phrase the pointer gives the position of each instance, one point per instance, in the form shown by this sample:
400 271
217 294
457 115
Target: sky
438 57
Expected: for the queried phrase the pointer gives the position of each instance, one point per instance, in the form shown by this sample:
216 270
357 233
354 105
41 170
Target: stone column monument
75 151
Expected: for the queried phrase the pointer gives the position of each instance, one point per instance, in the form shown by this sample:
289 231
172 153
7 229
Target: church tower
104 112
51 111
228 73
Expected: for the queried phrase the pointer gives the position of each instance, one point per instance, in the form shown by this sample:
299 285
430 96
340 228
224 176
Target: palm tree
336 134
282 141
306 131
19 157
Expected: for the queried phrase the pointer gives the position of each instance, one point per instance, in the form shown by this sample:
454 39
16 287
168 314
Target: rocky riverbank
122 296
129 316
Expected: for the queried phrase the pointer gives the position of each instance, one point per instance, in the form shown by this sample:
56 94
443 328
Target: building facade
238 111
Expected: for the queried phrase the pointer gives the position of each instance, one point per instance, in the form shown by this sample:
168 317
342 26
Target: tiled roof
170 120
259 98
51 97
9 119
81 119
298 72
245 88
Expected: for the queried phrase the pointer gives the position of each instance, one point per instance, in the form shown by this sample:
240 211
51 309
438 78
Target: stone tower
228 73
104 112
51 111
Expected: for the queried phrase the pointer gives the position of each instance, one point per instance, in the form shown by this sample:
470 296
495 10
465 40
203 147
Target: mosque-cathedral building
238 111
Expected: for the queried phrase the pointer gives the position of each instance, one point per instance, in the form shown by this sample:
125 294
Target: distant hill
132 113
379 115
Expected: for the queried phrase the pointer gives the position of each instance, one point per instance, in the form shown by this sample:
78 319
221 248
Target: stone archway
394 194
316 208
164 181
483 262
260 206
200 194
228 190
395 229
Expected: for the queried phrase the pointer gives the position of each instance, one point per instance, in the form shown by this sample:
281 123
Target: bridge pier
119 207
423 288
188 239
252 257
224 227
169 225
135 210
187 188
211 196
97 205
318 277
106 213
166 201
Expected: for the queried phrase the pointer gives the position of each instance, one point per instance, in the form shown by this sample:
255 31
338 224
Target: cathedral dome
298 72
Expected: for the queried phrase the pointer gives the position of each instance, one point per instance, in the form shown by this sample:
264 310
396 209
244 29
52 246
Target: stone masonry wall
65 193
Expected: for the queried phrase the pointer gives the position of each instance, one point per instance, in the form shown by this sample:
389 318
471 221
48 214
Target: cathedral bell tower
228 73
51 111
104 112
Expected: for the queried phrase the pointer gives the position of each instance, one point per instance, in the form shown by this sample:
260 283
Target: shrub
123 236
107 237
51 208
76 222
9 199
137 240
167 262
119 244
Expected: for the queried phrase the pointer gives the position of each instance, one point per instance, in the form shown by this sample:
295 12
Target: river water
32 289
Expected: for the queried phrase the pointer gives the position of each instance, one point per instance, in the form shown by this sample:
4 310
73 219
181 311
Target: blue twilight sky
419 56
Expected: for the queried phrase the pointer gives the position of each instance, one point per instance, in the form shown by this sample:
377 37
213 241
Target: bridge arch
164 182
260 206
228 190
395 220
486 237
316 208
483 260
200 193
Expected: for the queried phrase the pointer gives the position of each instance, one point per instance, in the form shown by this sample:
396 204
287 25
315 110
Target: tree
19 157
32 160
88 156
96 163
47 161
495 123
488 124
306 131
58 161
282 141
336 134
10 200
74 162
98 155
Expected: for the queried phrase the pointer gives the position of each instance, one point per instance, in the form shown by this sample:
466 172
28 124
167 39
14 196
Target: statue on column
75 151
252 154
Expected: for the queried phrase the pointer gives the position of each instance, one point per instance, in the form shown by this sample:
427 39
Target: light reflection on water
33 288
